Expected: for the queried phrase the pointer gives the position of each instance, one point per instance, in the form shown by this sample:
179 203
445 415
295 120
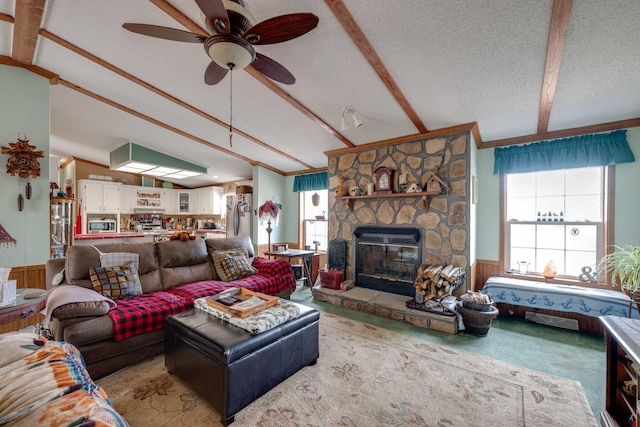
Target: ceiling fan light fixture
229 51
356 121
344 126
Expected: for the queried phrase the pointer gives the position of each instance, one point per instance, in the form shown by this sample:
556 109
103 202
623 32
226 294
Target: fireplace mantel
423 194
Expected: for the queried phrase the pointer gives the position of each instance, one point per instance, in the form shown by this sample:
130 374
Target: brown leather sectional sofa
162 266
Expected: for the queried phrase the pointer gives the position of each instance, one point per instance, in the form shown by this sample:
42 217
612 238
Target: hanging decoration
5 238
23 159
315 199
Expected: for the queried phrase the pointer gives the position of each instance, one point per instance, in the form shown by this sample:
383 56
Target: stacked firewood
437 281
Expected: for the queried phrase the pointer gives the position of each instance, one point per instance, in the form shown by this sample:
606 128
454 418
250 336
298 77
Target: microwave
97 225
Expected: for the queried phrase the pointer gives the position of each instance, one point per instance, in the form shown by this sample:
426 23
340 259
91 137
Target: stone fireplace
442 223
387 258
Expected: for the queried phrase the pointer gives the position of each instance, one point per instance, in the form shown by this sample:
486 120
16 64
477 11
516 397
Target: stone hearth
387 305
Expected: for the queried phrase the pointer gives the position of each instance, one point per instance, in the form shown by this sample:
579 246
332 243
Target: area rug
367 376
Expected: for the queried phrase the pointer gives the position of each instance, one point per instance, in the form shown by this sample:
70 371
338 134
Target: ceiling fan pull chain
231 105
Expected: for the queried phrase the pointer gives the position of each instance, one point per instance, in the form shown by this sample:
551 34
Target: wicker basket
478 306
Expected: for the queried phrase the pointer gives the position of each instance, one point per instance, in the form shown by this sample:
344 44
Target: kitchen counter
138 236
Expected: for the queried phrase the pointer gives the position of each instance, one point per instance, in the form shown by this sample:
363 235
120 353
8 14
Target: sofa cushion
115 282
235 267
218 256
183 262
80 258
81 309
87 331
113 259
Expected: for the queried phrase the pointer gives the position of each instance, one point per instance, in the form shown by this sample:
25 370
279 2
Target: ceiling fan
234 33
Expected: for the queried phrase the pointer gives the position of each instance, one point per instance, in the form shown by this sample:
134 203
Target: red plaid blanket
146 312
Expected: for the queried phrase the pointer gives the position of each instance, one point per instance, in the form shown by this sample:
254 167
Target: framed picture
474 189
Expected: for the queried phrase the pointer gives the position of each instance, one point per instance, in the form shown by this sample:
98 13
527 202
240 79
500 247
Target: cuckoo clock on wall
383 177
23 159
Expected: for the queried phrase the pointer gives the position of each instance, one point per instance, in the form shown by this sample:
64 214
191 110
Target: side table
306 256
26 305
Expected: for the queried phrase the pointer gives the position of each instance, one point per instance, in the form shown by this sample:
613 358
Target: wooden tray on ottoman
239 309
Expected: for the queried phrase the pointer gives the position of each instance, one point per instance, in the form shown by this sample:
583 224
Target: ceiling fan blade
216 14
281 28
214 73
273 69
164 33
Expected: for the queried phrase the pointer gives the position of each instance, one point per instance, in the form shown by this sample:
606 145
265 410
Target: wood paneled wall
481 270
32 276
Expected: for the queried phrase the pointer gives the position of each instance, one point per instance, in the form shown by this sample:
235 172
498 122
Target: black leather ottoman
229 367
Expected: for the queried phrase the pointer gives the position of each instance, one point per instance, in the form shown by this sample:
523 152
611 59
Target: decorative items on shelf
435 184
53 189
340 189
383 179
550 217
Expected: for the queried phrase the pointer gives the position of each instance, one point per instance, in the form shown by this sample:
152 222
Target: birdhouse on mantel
434 184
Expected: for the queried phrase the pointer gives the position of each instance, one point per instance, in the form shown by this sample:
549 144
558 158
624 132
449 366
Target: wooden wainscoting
31 276
481 270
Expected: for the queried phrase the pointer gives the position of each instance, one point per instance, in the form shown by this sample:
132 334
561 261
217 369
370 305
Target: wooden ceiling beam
560 16
165 95
354 31
161 124
564 133
25 29
170 10
194 28
53 78
6 18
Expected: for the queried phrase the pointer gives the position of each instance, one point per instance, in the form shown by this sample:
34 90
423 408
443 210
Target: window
557 216
315 229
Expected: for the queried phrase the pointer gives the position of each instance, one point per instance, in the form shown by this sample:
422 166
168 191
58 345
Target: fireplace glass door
388 261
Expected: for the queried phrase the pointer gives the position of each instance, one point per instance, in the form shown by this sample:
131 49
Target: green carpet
573 355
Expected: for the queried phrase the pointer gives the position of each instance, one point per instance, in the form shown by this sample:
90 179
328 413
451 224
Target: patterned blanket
45 383
146 312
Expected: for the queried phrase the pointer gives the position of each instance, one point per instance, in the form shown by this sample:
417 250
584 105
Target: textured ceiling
454 62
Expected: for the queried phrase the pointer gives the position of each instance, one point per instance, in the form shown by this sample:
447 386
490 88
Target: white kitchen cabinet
183 198
169 201
208 200
127 199
98 197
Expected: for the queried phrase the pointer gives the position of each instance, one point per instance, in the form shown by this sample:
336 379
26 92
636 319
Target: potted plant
624 265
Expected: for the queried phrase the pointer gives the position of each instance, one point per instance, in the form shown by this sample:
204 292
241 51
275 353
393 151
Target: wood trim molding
53 78
62 42
28 17
564 133
302 172
467 127
159 123
352 28
7 18
560 16
194 28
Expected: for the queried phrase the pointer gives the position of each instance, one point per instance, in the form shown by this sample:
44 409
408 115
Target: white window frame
604 228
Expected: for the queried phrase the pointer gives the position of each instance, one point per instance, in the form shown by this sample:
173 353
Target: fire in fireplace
387 258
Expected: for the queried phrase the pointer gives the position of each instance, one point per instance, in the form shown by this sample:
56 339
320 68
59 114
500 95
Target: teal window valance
567 153
311 181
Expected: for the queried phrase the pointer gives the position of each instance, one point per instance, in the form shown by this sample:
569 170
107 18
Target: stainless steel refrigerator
239 211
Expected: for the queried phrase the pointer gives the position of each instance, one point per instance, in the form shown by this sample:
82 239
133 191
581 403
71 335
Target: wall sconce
356 121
